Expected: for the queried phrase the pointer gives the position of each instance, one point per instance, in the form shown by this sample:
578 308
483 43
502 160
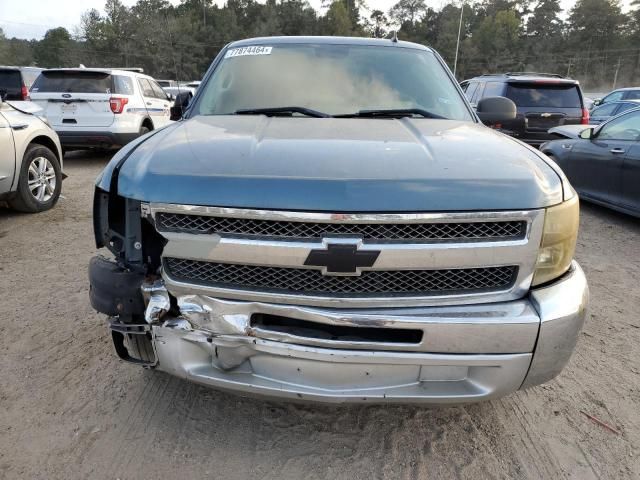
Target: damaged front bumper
438 354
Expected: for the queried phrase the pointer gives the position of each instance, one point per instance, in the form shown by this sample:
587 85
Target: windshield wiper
282 110
392 113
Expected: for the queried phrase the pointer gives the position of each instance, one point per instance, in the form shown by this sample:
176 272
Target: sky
32 18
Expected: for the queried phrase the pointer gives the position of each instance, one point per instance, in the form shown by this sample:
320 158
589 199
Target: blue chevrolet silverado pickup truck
330 220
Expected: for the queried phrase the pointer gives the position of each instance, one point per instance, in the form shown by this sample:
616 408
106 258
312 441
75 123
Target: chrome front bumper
467 353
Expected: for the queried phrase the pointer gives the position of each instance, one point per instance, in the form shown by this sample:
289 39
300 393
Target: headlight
558 241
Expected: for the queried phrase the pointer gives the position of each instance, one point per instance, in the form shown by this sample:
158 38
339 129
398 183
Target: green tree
597 22
338 21
446 25
595 27
379 23
55 49
545 21
498 38
408 11
21 51
181 40
4 48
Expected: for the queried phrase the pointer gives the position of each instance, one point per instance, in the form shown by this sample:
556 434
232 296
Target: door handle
617 150
149 103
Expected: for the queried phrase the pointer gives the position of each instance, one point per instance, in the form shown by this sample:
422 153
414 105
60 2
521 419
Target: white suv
100 108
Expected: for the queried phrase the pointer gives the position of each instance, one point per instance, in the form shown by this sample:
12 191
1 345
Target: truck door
7 155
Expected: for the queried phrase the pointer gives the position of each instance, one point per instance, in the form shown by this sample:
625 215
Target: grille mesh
307 281
178 222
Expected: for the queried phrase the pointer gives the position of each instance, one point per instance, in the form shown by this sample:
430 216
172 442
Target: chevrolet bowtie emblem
342 258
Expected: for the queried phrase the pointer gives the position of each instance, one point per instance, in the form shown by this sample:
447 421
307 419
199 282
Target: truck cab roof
327 41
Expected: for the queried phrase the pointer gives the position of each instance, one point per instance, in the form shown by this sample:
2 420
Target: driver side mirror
3 95
586 134
180 105
597 101
493 110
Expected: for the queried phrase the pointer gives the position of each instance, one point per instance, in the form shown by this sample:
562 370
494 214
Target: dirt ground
70 409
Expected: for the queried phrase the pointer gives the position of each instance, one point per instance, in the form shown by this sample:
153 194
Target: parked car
306 232
175 91
30 160
611 109
15 82
100 108
543 101
630 93
167 83
567 131
588 102
603 163
195 84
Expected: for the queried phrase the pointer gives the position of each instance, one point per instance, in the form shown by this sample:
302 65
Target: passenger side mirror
586 134
597 101
3 95
170 97
495 110
180 105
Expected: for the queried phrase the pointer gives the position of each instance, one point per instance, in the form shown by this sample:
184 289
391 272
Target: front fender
25 131
559 151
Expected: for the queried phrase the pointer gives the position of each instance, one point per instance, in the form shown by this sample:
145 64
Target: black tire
139 346
144 130
24 200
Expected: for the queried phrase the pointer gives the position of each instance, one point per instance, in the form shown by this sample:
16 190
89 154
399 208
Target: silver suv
30 159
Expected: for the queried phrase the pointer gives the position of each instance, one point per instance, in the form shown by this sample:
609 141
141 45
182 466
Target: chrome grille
370 282
414 232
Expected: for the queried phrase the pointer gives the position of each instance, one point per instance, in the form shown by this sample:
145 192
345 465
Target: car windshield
332 79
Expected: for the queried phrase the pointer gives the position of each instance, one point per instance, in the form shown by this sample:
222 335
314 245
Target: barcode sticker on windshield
254 50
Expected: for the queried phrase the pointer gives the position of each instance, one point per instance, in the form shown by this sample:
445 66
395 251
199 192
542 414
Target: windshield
333 79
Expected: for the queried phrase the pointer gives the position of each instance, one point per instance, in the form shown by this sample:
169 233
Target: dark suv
15 82
543 101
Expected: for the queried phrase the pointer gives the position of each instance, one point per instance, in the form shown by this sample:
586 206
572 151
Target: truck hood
333 164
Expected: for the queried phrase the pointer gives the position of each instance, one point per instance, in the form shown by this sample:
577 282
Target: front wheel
40 181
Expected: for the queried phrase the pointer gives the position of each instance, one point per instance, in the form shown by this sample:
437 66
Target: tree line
595 41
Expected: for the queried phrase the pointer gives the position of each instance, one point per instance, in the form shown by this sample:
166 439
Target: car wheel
40 181
144 130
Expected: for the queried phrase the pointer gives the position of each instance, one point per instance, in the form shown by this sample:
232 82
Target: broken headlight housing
558 241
